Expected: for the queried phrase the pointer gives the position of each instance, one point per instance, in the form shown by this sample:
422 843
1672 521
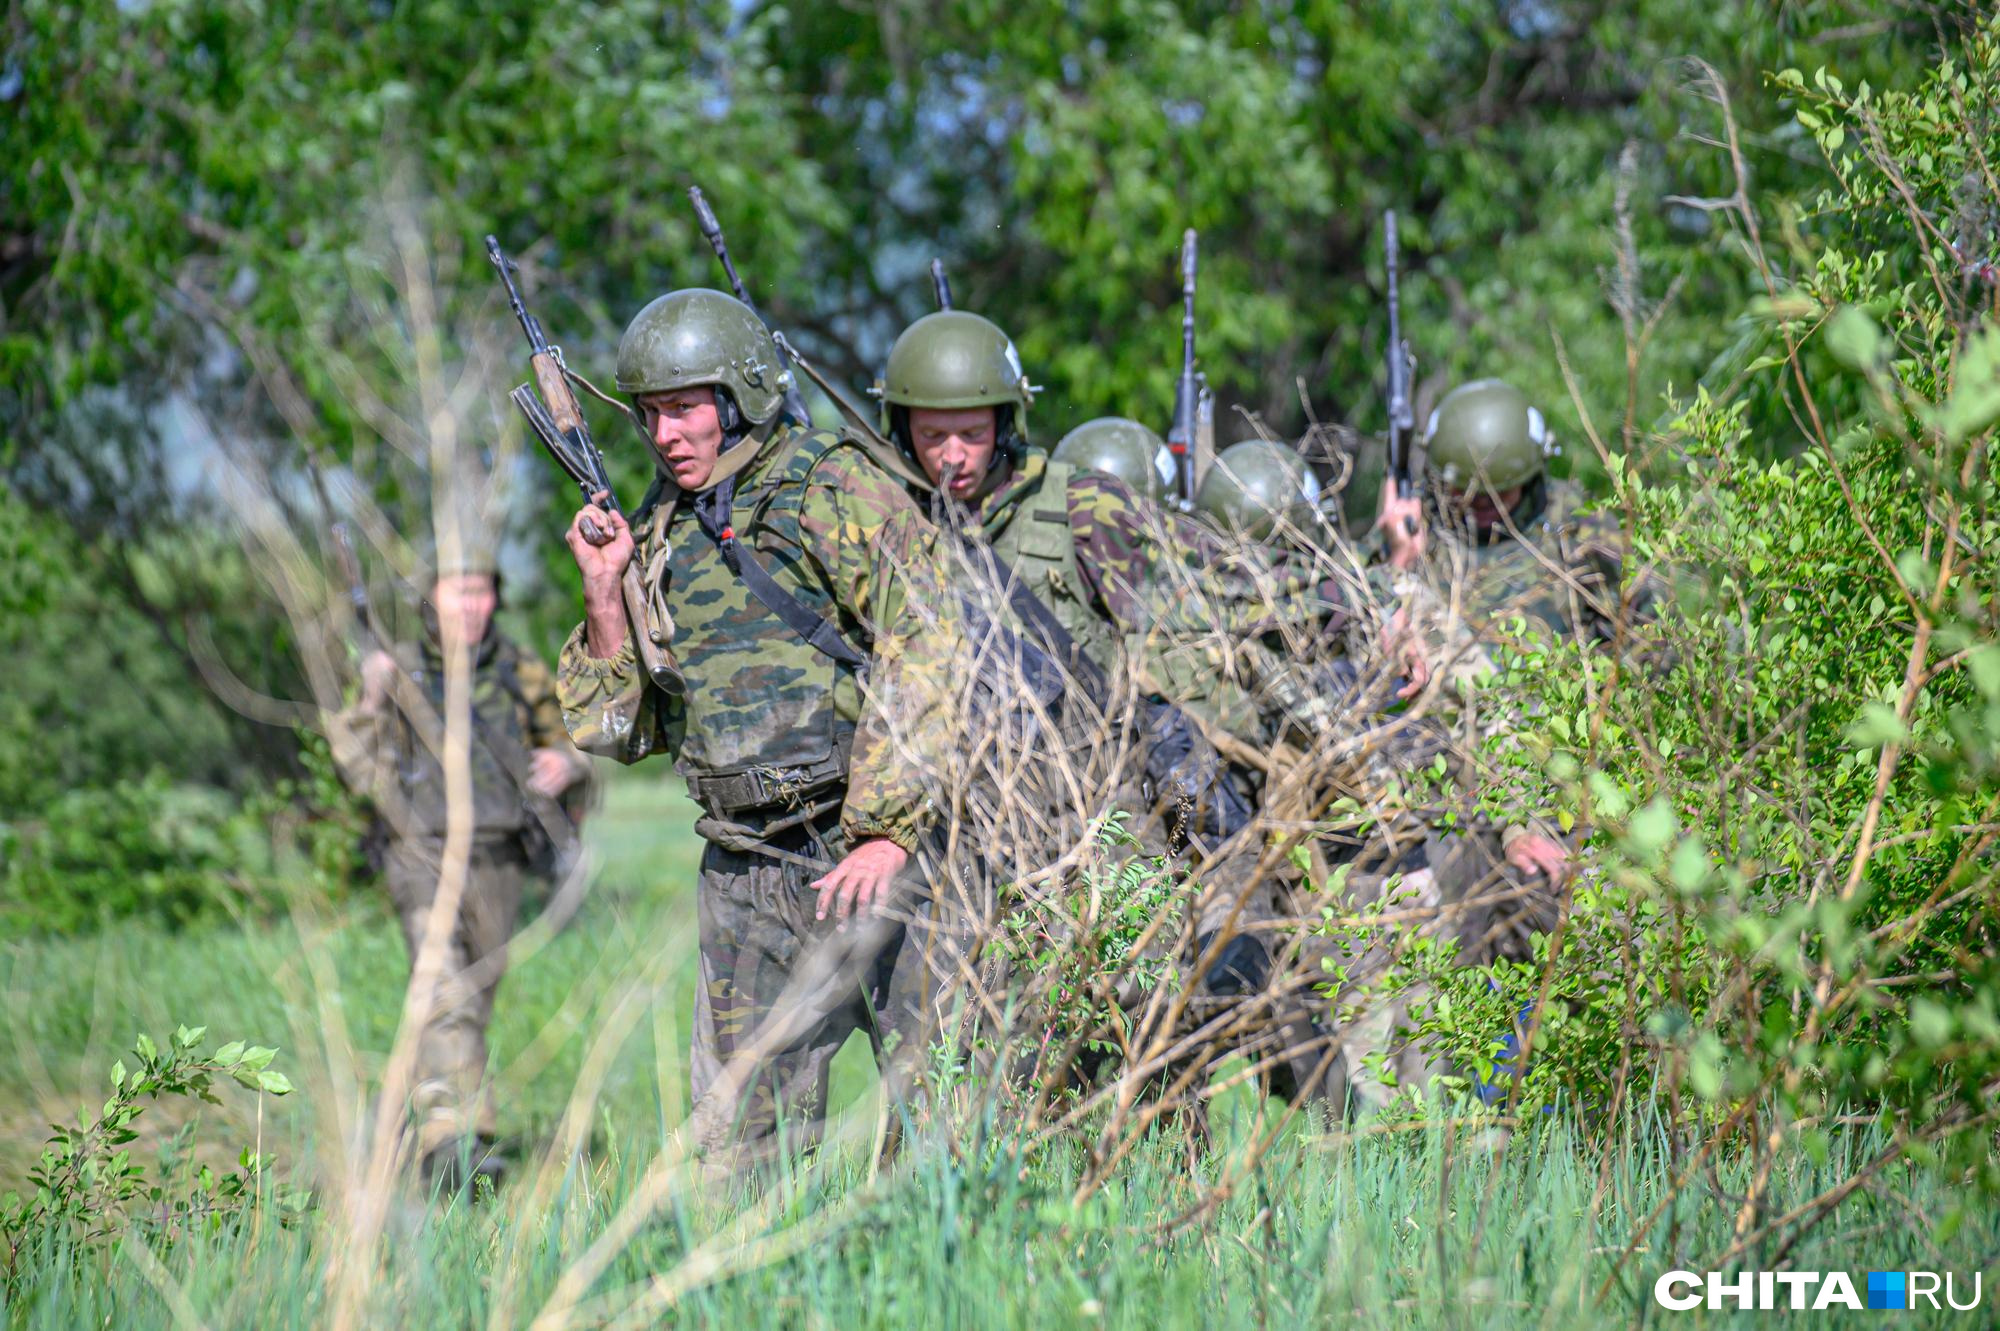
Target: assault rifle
366 637
711 230
557 421
940 284
1402 418
1187 393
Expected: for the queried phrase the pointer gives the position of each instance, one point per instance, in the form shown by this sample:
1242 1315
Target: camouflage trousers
780 992
1254 896
449 1095
1479 902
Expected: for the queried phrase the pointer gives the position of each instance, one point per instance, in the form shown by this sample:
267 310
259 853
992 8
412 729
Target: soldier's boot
1240 967
461 1164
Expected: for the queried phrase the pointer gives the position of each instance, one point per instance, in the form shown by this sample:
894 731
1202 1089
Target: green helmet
700 337
1485 433
1122 448
1254 484
954 358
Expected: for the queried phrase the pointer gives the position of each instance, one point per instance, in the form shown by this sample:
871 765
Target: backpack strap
777 503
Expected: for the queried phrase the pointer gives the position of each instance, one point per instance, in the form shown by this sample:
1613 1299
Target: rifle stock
563 408
556 419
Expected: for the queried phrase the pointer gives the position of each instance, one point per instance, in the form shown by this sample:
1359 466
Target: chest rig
772 685
1031 538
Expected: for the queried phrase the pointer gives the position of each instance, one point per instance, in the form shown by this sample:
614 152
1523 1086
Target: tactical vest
1037 545
1512 576
768 719
499 748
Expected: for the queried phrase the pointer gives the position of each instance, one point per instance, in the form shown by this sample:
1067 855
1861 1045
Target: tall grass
1392 1230
1413 1227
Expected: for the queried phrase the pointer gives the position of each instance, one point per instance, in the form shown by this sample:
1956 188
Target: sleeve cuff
576 656
869 829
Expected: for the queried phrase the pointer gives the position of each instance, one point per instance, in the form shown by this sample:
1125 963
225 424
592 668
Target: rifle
557 420
1402 419
711 230
1187 393
940 284
366 638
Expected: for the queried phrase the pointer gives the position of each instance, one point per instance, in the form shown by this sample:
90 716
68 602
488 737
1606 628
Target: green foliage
245 201
1790 785
178 853
1105 939
88 1191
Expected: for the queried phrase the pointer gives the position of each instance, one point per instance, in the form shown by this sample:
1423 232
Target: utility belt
771 788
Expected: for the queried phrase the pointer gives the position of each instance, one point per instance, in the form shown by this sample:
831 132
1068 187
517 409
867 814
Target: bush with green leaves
177 853
1787 911
88 1190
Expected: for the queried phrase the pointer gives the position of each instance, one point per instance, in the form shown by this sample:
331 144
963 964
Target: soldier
1117 446
1524 554
388 747
1315 696
779 559
1143 595
1526 549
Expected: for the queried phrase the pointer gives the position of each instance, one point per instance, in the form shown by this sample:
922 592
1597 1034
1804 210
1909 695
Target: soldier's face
1487 509
686 433
959 442
465 604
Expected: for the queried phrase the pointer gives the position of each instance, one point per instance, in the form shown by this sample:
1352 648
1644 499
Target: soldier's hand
1401 523
860 882
1537 854
551 772
378 676
1409 650
601 542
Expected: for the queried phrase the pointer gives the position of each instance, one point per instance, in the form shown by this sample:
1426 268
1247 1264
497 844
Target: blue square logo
1888 1290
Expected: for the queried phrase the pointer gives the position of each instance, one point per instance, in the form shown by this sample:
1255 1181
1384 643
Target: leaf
147 1049
274 1082
1984 667
256 1058
229 1053
1930 1023
1975 393
1689 864
1875 727
1853 339
1650 827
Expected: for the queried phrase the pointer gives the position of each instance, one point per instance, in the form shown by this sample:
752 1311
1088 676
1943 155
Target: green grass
1410 1229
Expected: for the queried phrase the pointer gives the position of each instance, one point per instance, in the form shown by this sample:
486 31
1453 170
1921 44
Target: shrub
176 853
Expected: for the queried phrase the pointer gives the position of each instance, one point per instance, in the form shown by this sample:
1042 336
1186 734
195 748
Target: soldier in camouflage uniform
1534 563
778 559
1315 696
1528 563
1145 594
388 747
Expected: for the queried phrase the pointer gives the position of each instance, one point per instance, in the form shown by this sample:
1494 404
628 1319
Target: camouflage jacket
1126 576
1555 568
391 755
768 724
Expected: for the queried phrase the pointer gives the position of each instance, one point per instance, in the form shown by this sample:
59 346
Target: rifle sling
711 513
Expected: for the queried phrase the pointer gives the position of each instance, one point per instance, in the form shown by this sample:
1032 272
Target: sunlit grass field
1415 1228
